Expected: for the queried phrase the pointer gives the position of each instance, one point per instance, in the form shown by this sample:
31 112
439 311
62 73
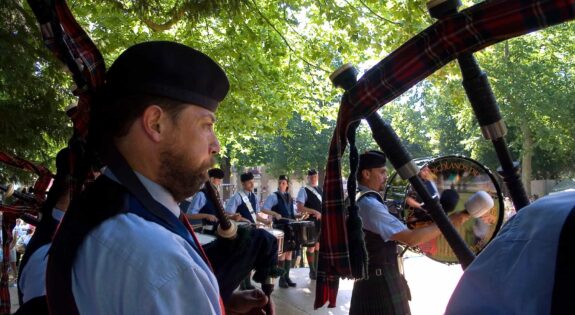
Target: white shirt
32 281
515 273
128 265
236 200
197 203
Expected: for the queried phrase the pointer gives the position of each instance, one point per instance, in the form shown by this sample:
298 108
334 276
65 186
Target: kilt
385 292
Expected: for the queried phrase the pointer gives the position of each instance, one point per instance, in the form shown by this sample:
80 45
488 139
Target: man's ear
365 174
153 122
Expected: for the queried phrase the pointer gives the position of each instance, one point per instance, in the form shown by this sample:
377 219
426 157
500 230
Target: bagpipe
456 35
27 207
74 48
27 204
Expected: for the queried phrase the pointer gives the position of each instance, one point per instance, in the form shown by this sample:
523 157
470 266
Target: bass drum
455 179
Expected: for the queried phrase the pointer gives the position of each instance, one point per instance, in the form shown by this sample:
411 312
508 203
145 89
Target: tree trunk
227 168
526 158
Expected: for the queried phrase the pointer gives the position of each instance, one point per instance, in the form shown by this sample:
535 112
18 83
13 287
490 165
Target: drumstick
226 228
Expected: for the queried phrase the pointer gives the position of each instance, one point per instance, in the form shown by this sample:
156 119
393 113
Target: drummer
202 208
385 291
246 203
279 205
309 202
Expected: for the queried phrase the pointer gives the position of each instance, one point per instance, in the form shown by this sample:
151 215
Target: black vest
208 208
100 201
379 251
312 201
284 207
243 209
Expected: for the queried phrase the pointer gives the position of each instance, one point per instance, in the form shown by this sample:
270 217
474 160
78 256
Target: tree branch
309 63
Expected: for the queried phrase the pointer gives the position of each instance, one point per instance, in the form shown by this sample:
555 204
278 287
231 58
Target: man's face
216 181
188 151
313 179
376 178
283 185
248 185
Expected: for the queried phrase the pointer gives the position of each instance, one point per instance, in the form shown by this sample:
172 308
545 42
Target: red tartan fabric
91 63
8 223
468 31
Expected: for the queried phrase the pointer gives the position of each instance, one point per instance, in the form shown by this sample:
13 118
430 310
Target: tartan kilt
385 294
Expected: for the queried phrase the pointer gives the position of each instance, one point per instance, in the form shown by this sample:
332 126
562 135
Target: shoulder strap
246 200
363 193
314 191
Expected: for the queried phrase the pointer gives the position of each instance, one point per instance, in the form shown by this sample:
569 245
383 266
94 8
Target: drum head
456 179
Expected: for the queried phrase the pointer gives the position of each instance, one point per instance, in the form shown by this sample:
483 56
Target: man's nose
215 146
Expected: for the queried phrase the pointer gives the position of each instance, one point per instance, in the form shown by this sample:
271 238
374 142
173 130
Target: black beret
311 172
246 176
216 173
371 159
283 177
168 69
449 199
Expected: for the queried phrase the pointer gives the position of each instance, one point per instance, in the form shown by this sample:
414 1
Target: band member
123 246
385 291
427 176
246 202
309 201
279 205
32 277
202 208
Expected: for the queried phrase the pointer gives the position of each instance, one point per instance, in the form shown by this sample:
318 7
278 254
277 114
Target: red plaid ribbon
70 44
466 32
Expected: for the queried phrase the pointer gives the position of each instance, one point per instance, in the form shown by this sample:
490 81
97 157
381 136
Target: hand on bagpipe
28 204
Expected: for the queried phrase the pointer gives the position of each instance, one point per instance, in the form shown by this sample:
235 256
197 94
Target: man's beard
179 180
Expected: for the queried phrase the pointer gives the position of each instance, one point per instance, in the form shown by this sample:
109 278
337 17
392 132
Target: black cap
216 173
168 69
246 176
371 159
311 172
283 177
449 199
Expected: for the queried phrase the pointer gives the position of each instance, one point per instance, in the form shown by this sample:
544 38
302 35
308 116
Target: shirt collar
159 193
362 187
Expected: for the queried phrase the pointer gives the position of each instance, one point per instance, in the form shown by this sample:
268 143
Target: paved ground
431 285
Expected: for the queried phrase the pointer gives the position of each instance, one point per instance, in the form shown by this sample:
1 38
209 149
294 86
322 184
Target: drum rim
495 180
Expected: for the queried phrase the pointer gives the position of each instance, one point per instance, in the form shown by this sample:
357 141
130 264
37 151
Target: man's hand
246 302
277 216
235 216
316 214
211 218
